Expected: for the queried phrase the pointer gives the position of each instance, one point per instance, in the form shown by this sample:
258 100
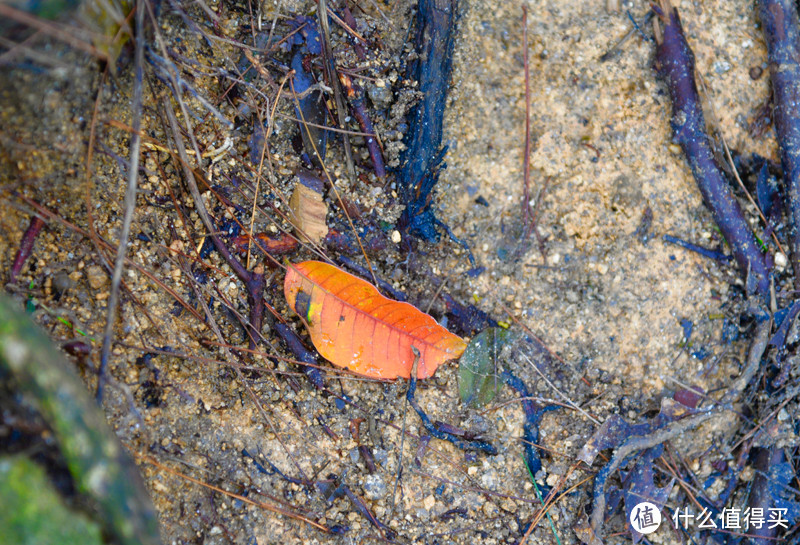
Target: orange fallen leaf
353 326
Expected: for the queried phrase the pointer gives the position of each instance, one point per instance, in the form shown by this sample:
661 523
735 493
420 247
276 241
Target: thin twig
526 160
243 499
130 197
347 28
569 402
414 369
632 445
25 247
329 62
264 151
757 348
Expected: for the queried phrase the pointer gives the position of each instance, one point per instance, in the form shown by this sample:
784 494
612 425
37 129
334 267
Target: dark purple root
25 247
295 346
779 19
438 433
705 252
675 62
762 493
361 115
533 416
255 290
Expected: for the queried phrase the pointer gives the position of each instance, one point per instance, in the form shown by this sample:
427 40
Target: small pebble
720 66
381 456
62 283
96 276
355 455
380 95
374 487
572 296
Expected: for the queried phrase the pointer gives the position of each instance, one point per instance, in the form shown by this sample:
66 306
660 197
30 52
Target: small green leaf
478 368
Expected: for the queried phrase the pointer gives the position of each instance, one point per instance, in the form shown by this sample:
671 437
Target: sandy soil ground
605 299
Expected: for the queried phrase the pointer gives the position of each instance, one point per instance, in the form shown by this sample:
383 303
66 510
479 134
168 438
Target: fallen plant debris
435 36
354 326
479 366
309 210
771 490
310 108
242 105
358 105
626 439
467 319
533 416
483 368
